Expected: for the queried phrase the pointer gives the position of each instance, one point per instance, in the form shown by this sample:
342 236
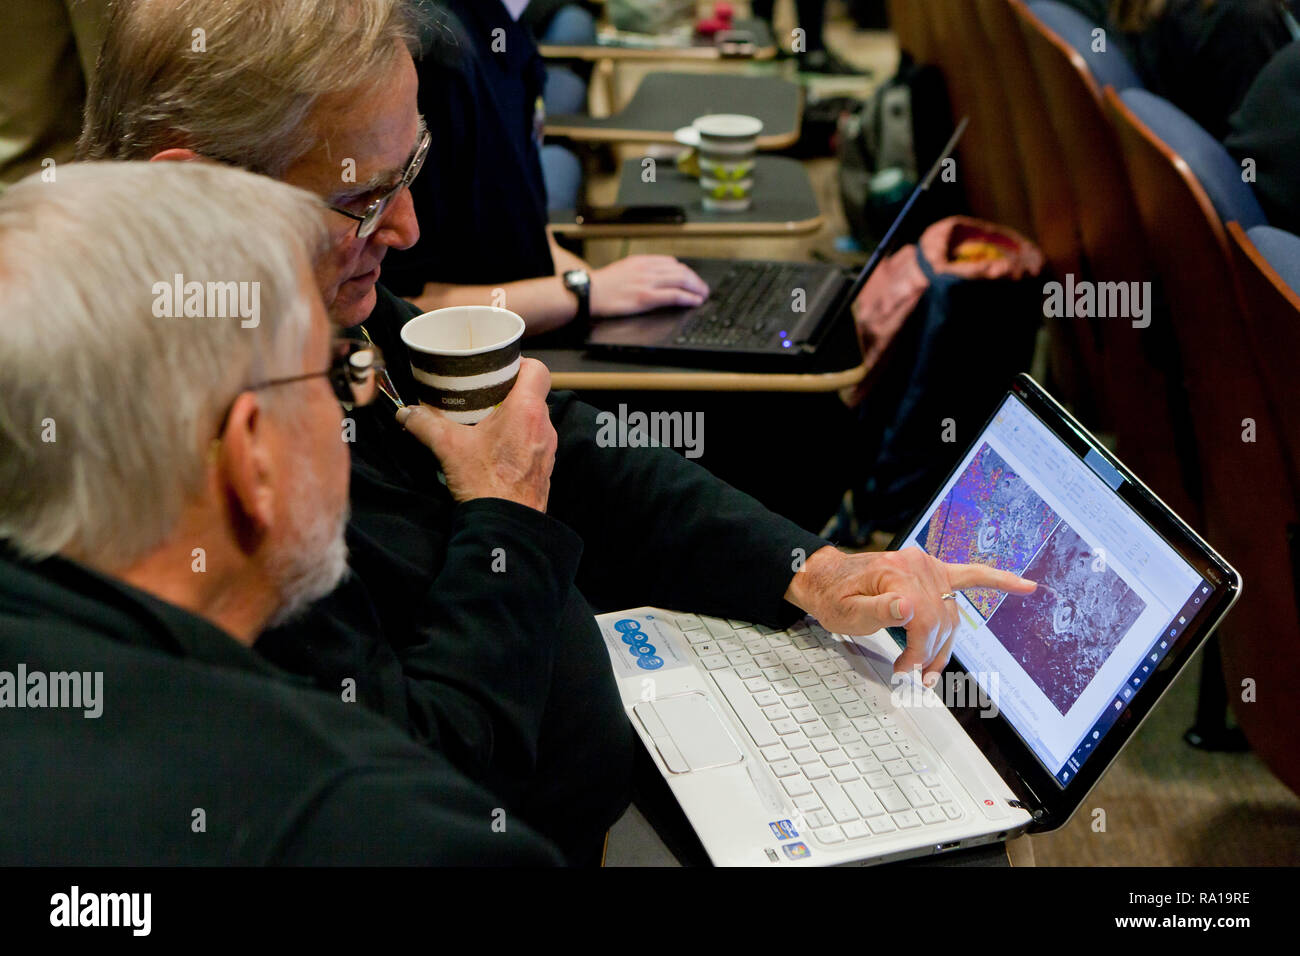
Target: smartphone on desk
739 43
630 216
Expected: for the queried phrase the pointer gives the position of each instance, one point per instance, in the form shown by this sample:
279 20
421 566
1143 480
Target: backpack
943 338
887 144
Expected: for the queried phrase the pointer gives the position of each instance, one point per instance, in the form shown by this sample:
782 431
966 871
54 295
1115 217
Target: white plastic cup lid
728 126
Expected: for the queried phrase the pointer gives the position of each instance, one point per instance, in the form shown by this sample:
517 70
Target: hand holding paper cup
465 359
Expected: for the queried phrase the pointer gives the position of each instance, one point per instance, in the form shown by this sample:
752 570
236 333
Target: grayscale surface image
1063 632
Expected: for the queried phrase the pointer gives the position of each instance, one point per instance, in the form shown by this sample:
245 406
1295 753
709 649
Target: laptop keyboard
826 732
748 308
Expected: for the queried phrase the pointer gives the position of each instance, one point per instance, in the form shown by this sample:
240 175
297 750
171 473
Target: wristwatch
578 282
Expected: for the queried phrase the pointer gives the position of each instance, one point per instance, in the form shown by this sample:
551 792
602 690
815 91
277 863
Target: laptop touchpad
688 733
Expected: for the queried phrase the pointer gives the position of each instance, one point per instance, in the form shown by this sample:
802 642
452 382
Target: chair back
1140 364
1267 262
974 66
1249 504
1105 59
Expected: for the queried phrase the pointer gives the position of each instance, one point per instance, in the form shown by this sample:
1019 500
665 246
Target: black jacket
202 753
1204 58
1266 129
481 198
506 672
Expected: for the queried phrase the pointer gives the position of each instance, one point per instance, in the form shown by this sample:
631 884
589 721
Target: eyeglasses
354 372
368 220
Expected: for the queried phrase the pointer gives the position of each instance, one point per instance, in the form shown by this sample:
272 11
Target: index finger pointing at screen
965 576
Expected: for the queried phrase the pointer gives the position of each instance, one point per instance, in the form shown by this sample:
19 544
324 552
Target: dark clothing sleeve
475 640
659 529
426 822
1204 59
1266 129
480 198
457 653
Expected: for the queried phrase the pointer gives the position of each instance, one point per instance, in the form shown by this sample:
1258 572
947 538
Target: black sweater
506 672
204 754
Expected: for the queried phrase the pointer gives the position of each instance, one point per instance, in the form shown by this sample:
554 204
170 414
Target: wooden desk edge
697 381
608 134
800 227
553 52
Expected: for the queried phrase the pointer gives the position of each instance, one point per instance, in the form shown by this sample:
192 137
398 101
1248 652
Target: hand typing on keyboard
640 283
861 593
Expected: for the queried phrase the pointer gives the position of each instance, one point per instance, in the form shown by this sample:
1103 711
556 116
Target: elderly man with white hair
503 670
172 480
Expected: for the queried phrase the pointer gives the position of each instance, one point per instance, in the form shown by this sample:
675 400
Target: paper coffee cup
727 144
465 358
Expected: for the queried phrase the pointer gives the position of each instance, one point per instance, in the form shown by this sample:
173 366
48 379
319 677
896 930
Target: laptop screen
1061 664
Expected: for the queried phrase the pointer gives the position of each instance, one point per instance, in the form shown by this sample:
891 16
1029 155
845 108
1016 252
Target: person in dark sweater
486 242
504 672
169 485
1266 130
1201 55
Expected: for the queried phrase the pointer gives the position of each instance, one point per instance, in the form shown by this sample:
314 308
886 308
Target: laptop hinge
1038 813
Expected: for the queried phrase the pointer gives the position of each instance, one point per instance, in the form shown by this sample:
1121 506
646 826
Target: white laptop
799 748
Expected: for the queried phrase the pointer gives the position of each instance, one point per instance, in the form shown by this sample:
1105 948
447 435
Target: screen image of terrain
991 516
1062 633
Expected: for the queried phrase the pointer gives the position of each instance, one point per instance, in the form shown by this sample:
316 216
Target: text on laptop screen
1062 663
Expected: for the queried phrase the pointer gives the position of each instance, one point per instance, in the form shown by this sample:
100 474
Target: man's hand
861 593
510 454
641 283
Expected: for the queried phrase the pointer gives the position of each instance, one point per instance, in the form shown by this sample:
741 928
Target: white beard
313 562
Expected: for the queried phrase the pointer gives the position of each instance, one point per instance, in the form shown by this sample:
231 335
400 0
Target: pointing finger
963 576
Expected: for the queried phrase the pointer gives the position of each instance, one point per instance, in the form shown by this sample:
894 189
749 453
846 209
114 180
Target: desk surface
699 48
838 364
665 102
784 204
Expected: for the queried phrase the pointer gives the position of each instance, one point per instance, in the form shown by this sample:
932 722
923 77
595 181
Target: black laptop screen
1060 664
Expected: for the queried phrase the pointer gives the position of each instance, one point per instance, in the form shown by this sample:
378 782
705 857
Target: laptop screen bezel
1050 804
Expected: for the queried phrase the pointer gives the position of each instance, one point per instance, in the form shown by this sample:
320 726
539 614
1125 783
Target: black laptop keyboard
749 308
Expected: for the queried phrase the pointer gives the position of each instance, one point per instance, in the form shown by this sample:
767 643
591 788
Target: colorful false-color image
1063 632
991 516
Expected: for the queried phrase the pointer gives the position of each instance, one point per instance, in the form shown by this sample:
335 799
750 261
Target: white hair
235 80
107 409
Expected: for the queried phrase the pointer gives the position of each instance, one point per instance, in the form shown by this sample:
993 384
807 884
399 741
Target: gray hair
107 407
234 81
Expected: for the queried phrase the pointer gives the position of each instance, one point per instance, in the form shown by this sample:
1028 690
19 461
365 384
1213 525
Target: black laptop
756 309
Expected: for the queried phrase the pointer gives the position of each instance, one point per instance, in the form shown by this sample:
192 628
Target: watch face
576 279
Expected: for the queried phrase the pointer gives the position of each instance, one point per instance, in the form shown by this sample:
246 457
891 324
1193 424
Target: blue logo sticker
650 662
635 637
796 851
627 624
642 647
783 829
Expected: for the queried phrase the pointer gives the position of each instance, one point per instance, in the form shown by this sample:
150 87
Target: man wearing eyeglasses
499 666
168 488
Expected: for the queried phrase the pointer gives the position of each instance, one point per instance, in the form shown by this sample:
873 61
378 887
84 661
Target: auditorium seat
1106 61
1140 365
1249 503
